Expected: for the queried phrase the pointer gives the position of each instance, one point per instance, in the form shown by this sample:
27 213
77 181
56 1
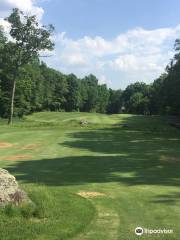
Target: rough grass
125 164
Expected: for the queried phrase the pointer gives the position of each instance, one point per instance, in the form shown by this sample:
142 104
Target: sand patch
19 157
90 194
5 145
30 147
170 158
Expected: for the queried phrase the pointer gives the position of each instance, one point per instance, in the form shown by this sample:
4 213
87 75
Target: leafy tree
28 40
4 87
73 96
136 98
115 103
157 95
165 97
103 98
55 89
89 93
139 103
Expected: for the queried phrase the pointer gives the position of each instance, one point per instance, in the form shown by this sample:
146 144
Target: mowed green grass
53 157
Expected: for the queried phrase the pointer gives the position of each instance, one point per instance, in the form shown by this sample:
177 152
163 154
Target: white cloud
133 62
76 59
102 79
138 54
28 6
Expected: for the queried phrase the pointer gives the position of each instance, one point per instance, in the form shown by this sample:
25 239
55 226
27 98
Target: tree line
28 85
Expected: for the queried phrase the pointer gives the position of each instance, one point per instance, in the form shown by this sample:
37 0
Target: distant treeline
44 89
40 88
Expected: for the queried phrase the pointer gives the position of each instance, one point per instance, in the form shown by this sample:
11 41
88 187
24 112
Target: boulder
10 193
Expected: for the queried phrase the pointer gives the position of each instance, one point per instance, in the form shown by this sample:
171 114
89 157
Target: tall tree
89 92
73 97
136 98
115 103
103 98
29 38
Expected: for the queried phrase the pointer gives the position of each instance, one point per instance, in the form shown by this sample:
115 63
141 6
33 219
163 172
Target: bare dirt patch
5 145
19 157
90 194
30 147
170 158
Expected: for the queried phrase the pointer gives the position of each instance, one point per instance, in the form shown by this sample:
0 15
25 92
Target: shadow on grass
167 198
126 156
172 198
119 141
98 169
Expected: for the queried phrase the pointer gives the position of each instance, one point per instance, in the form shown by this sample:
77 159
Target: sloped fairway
74 117
94 182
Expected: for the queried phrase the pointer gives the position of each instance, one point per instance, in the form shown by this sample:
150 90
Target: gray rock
10 191
84 122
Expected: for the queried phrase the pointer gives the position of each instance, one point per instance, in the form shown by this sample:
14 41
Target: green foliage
115 102
136 98
139 103
103 98
54 89
28 39
166 89
89 93
73 96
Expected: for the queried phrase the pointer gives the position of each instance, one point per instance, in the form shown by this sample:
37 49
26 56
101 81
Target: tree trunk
12 101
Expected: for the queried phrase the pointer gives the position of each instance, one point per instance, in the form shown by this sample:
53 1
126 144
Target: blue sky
108 18
119 41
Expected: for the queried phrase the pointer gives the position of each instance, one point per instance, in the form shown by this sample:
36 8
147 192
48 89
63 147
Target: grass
136 167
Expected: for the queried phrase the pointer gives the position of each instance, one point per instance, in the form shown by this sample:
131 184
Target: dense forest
40 88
